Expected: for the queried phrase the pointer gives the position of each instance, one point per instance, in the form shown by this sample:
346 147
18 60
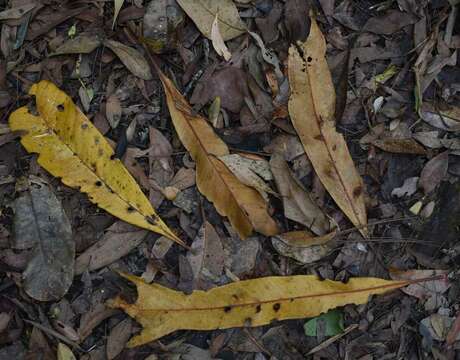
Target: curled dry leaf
203 12
248 303
118 338
312 108
71 148
297 203
244 206
82 44
131 58
448 119
49 273
16 12
217 41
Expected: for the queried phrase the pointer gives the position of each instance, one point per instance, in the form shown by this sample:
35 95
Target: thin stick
333 339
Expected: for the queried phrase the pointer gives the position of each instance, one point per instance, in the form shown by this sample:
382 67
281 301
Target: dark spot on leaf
357 191
258 308
100 153
291 299
96 140
130 209
60 107
227 309
112 157
319 137
309 59
334 147
247 321
277 306
98 183
84 126
93 165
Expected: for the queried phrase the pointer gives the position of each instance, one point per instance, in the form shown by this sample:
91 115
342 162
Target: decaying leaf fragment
248 303
131 58
312 108
243 205
71 148
41 224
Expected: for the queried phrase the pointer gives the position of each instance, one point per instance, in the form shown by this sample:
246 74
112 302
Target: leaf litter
359 63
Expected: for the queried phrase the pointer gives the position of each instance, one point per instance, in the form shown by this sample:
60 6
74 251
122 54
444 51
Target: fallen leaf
250 172
16 12
296 19
312 108
131 58
203 12
454 332
433 172
206 256
408 188
119 239
399 146
430 291
40 222
217 41
118 337
243 206
64 352
71 148
333 324
297 203
82 44
118 4
304 255
448 119
92 318
248 303
113 110
389 23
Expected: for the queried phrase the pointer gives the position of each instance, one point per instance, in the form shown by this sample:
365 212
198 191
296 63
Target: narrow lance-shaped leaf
243 205
311 108
71 148
248 303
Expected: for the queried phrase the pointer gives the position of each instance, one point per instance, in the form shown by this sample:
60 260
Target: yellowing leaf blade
245 303
71 148
243 205
311 108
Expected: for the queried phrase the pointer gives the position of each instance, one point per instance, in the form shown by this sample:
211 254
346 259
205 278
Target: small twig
333 339
256 343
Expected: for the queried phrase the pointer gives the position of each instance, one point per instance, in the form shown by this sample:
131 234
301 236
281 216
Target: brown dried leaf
245 208
82 44
117 242
298 205
312 107
433 172
131 58
118 337
389 23
113 110
399 146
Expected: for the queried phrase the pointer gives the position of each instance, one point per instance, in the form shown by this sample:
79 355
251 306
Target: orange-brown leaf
243 205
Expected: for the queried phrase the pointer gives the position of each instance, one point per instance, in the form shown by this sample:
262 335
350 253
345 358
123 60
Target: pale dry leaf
407 189
399 146
217 41
113 110
312 109
297 203
64 352
250 172
131 58
203 12
118 4
81 44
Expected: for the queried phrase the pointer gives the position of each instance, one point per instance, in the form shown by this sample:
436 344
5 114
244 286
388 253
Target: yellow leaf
248 303
71 148
64 353
311 108
117 7
243 205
